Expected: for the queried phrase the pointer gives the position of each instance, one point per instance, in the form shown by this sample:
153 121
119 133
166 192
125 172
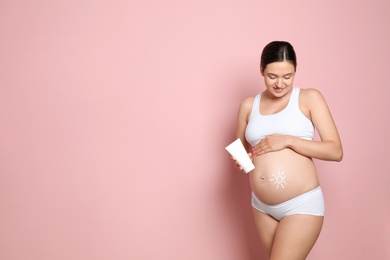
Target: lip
278 90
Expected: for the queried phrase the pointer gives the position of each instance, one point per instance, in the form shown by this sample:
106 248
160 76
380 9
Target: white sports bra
289 121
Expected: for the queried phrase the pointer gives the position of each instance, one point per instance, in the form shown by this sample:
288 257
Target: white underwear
309 203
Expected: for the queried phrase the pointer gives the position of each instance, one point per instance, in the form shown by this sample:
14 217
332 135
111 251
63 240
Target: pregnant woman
277 128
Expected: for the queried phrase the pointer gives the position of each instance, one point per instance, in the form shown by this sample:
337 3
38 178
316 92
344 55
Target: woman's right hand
235 162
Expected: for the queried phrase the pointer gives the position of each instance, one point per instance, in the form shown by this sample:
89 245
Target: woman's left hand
270 143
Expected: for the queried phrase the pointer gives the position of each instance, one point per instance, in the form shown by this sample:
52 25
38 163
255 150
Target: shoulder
248 101
246 107
310 93
246 104
313 99
311 96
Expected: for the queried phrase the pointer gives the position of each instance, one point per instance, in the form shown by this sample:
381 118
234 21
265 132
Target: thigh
295 236
266 227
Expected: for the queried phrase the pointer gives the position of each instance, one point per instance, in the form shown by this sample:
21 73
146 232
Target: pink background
114 116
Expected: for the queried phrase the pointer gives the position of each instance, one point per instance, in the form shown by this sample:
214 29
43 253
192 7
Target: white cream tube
237 150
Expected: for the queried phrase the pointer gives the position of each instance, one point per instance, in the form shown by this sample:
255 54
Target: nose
279 83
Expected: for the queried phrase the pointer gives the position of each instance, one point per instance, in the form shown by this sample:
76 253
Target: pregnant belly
282 175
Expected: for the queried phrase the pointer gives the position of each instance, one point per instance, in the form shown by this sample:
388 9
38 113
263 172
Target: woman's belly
282 175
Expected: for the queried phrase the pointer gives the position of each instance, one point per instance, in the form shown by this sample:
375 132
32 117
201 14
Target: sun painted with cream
279 179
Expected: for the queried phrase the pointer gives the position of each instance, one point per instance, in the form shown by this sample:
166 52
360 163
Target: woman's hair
278 51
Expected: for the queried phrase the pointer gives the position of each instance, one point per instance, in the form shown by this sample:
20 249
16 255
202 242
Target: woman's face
279 77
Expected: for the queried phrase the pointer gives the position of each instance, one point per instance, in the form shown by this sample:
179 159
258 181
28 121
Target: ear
262 71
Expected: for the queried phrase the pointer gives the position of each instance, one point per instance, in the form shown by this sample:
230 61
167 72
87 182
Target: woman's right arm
242 121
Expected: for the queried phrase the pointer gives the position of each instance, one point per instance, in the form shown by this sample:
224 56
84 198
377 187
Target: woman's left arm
329 148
